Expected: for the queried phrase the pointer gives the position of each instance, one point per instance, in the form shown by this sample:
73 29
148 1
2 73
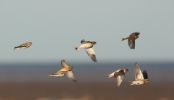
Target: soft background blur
56 27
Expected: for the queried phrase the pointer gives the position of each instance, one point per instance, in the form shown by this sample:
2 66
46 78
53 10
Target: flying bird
65 69
24 45
131 39
119 75
141 78
88 46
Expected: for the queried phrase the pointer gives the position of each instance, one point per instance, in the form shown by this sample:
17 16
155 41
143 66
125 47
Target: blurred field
84 91
31 82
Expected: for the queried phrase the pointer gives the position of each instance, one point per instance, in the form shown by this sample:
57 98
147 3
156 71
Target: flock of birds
141 78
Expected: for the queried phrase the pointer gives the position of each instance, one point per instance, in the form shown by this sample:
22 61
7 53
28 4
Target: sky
56 27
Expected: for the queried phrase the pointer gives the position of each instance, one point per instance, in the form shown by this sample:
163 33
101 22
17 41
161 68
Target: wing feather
131 44
138 73
120 79
111 75
70 75
145 74
91 54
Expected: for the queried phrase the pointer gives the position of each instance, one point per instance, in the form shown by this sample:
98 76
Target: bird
119 74
24 45
131 39
141 78
88 46
65 69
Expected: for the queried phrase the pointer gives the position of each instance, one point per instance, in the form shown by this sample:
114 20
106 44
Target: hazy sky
56 26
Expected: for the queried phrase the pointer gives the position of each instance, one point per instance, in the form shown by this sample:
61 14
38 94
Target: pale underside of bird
131 39
24 45
119 75
141 78
88 46
64 70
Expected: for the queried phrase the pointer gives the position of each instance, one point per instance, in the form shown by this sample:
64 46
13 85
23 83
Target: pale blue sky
56 26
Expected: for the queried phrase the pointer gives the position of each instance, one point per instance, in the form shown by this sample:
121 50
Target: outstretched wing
131 43
111 75
120 79
91 54
138 73
70 75
61 72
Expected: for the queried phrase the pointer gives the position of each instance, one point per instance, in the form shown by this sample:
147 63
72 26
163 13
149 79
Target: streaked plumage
24 45
140 78
131 39
119 75
88 46
65 69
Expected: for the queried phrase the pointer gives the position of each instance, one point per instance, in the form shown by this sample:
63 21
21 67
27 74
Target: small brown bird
65 69
88 46
24 45
131 39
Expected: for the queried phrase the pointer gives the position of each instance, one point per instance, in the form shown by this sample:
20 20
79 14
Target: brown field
84 91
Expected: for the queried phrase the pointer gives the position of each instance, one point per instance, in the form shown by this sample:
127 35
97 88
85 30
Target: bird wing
65 65
131 43
27 44
59 74
91 54
120 79
115 73
84 45
61 71
111 75
70 75
145 74
138 73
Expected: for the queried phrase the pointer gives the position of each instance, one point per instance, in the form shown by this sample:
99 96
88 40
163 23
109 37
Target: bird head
83 40
126 70
63 60
136 33
93 42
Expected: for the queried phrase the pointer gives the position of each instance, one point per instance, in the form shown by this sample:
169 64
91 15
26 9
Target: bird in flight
141 78
119 74
88 46
65 69
24 45
131 39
